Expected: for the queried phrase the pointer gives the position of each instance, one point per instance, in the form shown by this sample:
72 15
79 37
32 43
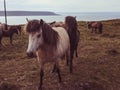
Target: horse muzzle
31 54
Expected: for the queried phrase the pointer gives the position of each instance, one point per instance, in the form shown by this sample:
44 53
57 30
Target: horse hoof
77 56
71 72
39 88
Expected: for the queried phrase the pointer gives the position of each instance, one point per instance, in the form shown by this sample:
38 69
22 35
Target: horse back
96 24
63 42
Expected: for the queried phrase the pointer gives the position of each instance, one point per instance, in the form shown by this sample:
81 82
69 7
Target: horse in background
62 24
57 24
94 26
74 35
49 44
8 33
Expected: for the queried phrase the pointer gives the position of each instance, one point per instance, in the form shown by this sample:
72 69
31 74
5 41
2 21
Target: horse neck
9 32
50 36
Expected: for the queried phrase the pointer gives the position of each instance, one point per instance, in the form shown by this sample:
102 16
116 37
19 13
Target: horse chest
46 51
44 56
6 34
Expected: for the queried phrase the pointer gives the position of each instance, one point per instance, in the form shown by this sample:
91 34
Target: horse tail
77 41
71 27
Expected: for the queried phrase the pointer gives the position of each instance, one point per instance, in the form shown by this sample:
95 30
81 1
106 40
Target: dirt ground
96 68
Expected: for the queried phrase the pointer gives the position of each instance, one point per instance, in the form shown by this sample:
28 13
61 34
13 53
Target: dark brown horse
94 26
74 35
8 33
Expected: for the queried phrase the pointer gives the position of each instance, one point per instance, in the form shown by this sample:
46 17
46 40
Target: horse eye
38 35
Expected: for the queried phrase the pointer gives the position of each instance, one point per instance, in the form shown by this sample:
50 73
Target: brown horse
74 35
8 33
49 44
94 26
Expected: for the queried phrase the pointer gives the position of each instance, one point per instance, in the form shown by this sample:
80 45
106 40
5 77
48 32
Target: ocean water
88 16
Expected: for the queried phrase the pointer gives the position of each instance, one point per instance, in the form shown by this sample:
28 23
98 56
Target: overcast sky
63 5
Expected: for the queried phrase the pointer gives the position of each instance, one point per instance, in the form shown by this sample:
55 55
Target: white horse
48 44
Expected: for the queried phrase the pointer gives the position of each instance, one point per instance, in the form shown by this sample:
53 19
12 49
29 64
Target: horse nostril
30 54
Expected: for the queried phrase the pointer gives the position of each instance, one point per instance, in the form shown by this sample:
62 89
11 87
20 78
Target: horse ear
27 19
41 22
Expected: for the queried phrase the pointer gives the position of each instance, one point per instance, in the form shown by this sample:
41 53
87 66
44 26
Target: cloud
63 5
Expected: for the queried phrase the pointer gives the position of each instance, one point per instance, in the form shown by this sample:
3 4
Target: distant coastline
80 16
28 13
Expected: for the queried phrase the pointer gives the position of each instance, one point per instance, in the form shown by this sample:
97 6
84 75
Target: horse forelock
33 26
50 36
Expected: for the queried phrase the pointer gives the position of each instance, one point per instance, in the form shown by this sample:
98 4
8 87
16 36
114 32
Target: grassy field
96 68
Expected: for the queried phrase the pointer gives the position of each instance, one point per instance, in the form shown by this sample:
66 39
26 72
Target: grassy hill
96 68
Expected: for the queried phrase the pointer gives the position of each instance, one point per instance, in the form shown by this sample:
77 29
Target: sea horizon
80 16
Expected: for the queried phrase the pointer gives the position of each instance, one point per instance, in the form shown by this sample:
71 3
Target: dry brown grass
96 68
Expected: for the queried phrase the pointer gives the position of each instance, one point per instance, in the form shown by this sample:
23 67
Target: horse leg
0 40
20 32
92 30
54 68
11 40
59 75
41 62
95 30
58 71
71 65
100 30
76 53
71 61
67 59
68 56
41 78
